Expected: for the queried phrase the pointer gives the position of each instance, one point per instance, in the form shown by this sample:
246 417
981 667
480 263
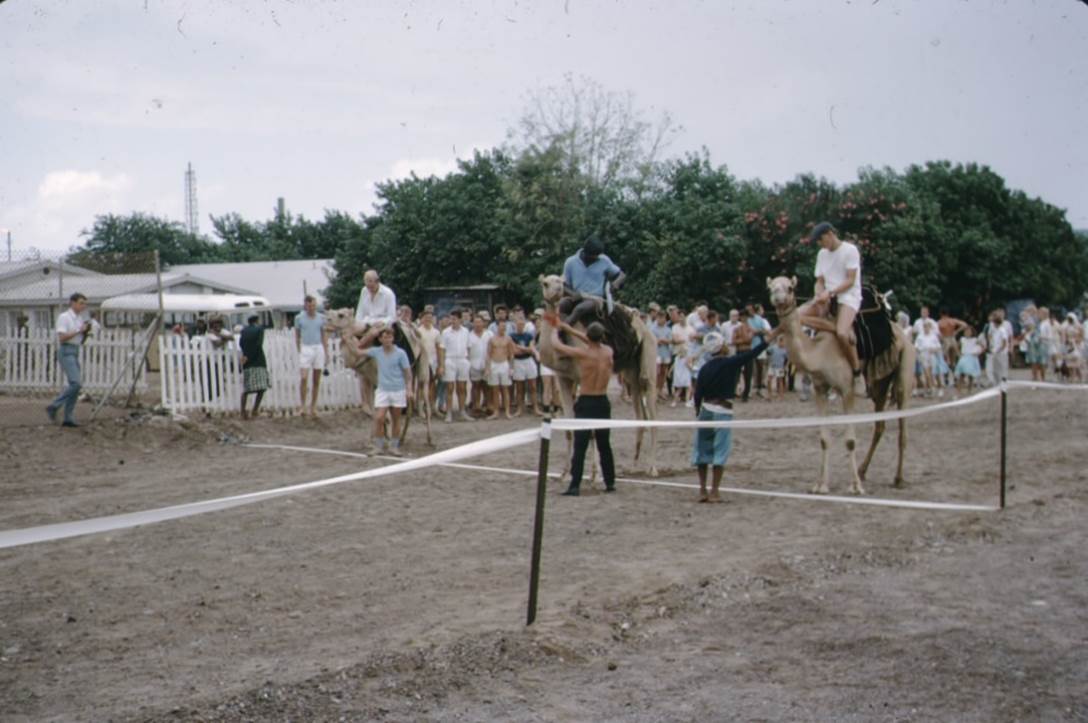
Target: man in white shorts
312 342
500 354
838 279
477 363
524 366
453 364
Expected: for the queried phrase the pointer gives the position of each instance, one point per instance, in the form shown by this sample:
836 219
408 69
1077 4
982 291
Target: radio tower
191 215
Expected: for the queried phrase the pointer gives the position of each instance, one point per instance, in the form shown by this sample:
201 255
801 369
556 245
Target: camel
891 375
342 321
642 381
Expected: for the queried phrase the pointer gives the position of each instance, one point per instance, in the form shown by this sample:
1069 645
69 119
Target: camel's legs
566 399
822 485
880 401
851 442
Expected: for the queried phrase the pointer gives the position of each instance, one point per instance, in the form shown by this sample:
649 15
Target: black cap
593 246
821 228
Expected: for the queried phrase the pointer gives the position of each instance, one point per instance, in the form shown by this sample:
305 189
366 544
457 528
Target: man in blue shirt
585 275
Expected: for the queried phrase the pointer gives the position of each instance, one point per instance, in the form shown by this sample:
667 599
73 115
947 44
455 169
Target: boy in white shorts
453 365
312 342
394 385
428 337
477 364
500 353
525 373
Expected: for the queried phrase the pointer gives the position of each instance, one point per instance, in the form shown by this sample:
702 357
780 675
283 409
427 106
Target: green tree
122 244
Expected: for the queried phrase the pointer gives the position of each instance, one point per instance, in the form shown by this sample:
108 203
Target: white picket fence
28 360
196 377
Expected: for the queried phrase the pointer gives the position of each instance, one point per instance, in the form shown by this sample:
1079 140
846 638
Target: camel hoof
899 483
653 471
819 489
859 491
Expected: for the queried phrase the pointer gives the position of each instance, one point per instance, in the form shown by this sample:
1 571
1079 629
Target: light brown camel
889 376
342 321
640 380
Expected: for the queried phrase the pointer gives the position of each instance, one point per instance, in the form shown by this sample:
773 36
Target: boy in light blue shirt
394 385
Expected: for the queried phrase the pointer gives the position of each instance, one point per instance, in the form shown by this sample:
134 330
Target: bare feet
714 497
493 415
703 497
510 416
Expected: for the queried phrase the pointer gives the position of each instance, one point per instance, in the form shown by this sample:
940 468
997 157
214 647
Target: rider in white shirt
377 302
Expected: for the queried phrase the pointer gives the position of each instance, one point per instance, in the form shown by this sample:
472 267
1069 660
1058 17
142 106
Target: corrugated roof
281 282
102 286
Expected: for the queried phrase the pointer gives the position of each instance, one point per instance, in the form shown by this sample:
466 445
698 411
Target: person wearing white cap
715 388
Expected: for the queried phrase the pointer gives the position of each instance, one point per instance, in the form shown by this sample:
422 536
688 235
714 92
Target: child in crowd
968 369
394 385
681 371
779 358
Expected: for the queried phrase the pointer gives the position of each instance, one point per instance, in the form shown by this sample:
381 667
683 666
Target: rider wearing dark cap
585 276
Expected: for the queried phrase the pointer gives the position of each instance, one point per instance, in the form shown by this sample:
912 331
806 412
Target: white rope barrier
858 500
776 423
59 531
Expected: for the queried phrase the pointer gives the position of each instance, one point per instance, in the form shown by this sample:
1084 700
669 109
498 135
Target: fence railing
195 376
28 360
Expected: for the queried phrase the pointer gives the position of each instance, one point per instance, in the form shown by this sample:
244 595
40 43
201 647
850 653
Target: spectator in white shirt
377 302
453 364
72 328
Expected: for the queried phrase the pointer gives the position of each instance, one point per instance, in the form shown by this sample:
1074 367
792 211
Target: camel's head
339 319
552 287
781 290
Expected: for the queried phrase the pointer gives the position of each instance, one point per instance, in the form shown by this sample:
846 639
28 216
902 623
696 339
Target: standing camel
343 322
641 380
891 375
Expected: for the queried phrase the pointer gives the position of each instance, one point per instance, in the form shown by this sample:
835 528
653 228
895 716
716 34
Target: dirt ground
403 598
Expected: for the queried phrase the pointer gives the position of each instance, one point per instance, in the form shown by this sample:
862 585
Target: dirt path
402 598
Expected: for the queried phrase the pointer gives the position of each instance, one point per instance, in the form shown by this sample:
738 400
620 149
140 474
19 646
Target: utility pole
191 217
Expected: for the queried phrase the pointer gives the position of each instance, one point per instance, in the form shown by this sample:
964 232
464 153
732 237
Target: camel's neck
798 344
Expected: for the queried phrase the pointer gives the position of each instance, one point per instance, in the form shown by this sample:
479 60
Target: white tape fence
197 377
13 538
28 360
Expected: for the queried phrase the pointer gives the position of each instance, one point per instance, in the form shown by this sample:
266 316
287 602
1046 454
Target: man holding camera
72 329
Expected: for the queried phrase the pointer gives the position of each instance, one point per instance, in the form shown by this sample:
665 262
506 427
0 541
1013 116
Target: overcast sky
105 102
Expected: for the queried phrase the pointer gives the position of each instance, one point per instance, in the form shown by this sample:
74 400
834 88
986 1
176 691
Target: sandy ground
403 597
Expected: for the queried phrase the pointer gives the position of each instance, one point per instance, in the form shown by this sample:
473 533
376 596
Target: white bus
139 309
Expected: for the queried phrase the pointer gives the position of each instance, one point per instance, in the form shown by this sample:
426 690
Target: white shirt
919 326
455 342
928 342
727 331
969 346
382 307
477 349
998 340
833 267
68 322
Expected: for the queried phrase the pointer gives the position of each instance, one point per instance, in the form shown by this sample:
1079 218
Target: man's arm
368 338
298 337
390 312
564 326
564 349
407 369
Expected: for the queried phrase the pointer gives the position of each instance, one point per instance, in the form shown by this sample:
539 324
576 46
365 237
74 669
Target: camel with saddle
350 331
889 374
635 355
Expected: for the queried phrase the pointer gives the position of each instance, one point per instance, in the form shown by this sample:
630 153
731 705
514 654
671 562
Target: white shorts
311 356
500 374
456 370
383 398
524 369
476 374
546 371
851 300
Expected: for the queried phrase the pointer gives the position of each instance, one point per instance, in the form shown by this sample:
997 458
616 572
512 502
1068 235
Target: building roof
102 286
14 268
281 282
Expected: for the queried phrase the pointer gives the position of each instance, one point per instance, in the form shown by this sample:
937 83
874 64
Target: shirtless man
595 370
500 355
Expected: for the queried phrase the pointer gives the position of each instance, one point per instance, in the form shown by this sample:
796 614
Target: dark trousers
592 407
747 375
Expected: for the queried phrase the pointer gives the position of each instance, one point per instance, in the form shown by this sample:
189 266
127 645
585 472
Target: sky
104 103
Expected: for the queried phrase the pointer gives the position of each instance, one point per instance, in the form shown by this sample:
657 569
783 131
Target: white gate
28 360
197 377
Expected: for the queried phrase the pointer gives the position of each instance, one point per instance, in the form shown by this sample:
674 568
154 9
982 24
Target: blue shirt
589 279
522 339
779 357
310 328
759 325
390 367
